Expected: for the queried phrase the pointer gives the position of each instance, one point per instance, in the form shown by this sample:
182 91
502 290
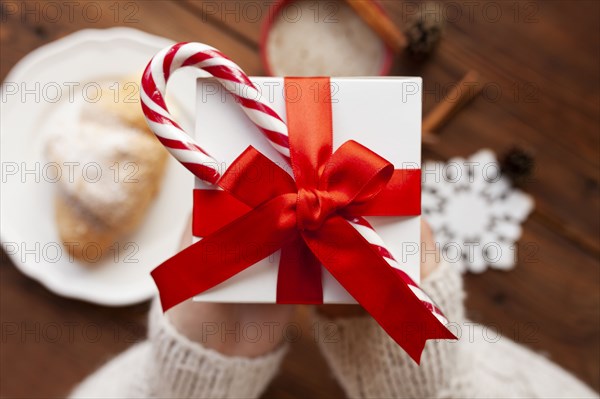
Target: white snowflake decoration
474 211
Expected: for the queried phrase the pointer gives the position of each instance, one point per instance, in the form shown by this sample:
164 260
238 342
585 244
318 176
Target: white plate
27 226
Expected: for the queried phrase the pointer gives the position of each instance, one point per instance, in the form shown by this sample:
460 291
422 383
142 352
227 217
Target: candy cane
228 74
368 232
236 82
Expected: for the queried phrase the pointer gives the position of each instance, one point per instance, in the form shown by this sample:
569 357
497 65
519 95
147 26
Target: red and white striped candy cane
236 82
228 74
368 232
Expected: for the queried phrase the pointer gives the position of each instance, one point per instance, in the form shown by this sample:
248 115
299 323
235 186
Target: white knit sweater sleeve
368 363
168 365
481 364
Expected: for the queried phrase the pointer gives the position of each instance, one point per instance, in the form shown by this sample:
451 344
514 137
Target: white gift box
383 114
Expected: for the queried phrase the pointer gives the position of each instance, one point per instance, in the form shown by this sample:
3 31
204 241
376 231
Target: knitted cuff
368 363
445 286
185 369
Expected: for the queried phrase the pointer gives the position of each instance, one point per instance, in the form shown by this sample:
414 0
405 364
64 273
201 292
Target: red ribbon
262 210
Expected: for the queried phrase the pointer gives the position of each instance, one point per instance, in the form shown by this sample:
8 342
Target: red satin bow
262 209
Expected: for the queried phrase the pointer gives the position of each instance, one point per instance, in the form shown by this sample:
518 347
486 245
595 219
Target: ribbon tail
213 210
375 285
299 276
226 252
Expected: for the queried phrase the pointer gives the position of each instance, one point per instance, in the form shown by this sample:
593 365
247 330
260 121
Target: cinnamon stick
374 16
463 92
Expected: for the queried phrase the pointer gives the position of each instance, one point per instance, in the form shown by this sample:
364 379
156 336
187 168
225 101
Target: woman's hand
223 326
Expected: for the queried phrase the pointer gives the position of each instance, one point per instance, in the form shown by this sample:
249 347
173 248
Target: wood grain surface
540 66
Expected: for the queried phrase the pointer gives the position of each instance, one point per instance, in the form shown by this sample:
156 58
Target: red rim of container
388 56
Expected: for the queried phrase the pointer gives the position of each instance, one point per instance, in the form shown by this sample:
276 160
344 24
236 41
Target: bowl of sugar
321 38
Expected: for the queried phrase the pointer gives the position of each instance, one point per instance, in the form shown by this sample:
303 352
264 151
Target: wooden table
540 63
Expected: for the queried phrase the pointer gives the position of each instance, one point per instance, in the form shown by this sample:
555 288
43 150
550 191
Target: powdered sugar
94 151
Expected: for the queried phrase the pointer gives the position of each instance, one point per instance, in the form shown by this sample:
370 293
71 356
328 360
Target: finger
426 233
429 253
